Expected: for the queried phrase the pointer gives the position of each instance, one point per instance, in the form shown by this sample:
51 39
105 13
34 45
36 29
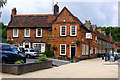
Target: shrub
49 53
19 62
77 42
71 61
48 44
54 47
42 58
118 50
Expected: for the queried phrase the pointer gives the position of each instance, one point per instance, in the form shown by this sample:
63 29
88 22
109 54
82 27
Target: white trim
25 32
60 49
75 50
61 32
37 32
75 30
13 32
41 46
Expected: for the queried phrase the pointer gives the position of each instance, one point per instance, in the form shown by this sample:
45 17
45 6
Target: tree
2 3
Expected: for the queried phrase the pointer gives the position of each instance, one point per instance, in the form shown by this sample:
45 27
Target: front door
73 51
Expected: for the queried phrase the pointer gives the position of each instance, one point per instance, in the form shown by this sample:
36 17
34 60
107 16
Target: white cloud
100 13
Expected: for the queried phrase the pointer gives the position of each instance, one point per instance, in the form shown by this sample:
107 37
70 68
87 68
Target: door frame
70 49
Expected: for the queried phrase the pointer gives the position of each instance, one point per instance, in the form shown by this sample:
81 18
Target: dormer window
27 32
15 32
73 30
62 30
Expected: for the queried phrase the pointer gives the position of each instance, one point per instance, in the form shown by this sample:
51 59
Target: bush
19 62
49 53
48 44
42 58
118 50
71 61
54 47
77 42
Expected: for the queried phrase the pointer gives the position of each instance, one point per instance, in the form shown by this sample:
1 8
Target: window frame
25 32
14 32
75 30
60 49
61 31
37 32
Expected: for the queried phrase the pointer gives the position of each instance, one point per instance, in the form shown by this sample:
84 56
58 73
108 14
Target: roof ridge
35 15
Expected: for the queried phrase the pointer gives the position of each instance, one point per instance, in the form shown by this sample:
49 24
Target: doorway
73 51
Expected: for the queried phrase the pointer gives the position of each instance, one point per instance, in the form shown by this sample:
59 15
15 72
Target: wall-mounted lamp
55 28
63 20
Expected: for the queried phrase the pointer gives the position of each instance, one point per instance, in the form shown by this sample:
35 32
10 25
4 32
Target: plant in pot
74 59
54 47
77 42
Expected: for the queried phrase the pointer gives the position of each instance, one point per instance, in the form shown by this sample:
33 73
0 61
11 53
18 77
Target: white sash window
15 32
73 30
62 30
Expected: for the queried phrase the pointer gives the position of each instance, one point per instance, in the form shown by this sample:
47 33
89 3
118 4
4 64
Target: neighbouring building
62 29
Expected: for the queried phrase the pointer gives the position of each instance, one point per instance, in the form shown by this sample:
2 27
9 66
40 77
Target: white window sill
27 36
15 36
38 36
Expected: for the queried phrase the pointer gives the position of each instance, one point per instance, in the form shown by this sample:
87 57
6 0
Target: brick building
62 29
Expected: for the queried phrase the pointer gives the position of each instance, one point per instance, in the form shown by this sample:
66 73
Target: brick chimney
14 11
56 9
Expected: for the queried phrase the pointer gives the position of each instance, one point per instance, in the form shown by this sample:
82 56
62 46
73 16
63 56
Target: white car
30 52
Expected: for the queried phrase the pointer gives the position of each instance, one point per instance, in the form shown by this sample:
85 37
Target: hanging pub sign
88 36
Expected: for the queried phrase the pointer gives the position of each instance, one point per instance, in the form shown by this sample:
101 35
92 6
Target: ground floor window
83 49
91 50
62 49
87 50
96 50
39 46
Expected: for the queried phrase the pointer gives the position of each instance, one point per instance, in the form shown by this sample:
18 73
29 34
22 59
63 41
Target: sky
99 12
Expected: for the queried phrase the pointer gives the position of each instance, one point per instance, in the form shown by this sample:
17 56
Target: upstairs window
27 32
62 49
39 32
15 32
73 30
62 30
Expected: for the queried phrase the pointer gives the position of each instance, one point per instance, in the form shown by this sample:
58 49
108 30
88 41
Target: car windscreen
13 49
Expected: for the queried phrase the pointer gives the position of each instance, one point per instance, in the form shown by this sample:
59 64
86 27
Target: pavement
92 68
55 62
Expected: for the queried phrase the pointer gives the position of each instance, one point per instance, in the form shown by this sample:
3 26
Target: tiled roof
42 20
102 36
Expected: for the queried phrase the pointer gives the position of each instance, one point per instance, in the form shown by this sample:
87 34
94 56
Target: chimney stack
56 9
14 11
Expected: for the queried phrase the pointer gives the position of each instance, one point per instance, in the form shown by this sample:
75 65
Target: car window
26 50
13 49
6 48
32 50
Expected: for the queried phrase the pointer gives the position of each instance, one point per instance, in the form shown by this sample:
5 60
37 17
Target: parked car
21 49
30 52
9 54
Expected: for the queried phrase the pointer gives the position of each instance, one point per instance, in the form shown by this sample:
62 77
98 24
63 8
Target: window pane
73 30
27 32
63 30
15 32
38 32
63 49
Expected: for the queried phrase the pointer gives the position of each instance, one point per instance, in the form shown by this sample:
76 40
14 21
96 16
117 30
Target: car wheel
4 61
28 56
